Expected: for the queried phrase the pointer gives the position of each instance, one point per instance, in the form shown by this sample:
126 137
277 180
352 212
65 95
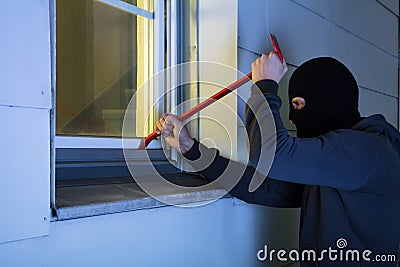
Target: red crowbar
216 96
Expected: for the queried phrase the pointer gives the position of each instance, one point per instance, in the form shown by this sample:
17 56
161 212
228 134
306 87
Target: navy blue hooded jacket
347 182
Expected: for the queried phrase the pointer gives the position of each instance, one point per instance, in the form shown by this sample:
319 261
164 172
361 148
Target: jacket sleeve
272 193
342 159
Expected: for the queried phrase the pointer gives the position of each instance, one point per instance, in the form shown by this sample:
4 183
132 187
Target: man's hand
174 132
268 67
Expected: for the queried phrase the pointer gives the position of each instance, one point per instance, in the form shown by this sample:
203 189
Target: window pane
101 61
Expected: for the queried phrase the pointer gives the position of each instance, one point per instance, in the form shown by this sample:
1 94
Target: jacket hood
378 124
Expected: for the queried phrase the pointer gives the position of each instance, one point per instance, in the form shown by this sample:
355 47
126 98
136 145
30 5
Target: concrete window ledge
85 200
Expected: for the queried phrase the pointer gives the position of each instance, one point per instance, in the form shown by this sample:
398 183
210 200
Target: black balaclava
331 95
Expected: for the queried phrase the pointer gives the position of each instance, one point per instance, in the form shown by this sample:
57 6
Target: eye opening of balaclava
331 95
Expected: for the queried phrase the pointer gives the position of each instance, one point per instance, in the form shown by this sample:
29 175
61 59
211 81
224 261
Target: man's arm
272 193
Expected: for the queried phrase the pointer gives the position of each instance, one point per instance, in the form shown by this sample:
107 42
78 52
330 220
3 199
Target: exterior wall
225 233
25 103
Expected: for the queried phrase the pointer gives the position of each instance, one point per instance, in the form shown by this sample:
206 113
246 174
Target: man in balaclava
342 170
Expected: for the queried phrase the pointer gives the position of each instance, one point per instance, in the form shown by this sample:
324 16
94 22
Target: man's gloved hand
174 132
268 67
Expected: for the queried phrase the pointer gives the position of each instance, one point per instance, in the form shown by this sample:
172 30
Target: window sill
79 201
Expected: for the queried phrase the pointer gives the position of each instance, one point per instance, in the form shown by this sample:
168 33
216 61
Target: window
104 51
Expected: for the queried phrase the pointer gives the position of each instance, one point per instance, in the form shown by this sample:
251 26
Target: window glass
103 55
